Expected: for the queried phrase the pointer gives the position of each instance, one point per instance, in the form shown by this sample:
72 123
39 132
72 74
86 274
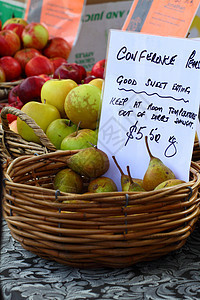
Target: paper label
151 89
166 18
97 19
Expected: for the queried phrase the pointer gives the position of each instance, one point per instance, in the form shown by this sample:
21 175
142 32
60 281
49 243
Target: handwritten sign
151 89
166 18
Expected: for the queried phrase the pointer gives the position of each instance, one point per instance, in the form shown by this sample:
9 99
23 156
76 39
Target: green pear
90 162
125 182
68 181
156 172
101 185
133 186
168 183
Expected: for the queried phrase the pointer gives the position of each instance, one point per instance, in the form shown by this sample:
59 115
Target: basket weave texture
116 229
5 88
13 145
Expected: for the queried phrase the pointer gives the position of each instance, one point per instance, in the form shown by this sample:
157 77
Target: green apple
42 114
83 138
68 181
54 92
83 104
58 130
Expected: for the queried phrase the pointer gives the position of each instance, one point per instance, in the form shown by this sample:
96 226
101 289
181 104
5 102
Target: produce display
65 101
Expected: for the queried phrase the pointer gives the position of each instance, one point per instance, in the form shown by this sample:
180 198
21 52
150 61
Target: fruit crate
90 230
13 145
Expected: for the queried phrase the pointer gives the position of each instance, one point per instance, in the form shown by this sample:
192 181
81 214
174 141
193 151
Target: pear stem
148 149
129 174
118 166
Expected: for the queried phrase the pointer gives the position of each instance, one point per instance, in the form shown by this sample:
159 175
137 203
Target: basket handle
29 121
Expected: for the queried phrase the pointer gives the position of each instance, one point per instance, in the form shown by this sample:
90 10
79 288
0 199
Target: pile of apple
27 53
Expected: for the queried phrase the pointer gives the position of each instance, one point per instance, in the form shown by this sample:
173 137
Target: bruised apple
42 114
68 71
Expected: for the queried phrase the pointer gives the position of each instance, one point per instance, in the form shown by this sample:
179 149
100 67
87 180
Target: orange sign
61 17
161 17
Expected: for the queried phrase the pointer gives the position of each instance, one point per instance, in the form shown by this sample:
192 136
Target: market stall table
26 276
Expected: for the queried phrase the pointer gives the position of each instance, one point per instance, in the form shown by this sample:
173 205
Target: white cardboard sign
151 89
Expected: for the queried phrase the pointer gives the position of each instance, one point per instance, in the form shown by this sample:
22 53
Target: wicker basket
114 230
13 145
5 88
196 151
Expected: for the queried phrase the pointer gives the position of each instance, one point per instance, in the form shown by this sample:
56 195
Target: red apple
24 55
2 75
98 68
45 77
88 78
39 65
16 27
30 89
57 61
11 67
68 71
13 95
82 70
57 47
9 43
11 117
35 35
0 24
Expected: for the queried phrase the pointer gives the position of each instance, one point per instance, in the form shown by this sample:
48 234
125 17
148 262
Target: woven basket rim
113 230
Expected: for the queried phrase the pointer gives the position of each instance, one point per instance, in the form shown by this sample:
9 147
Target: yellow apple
54 92
97 82
42 114
15 20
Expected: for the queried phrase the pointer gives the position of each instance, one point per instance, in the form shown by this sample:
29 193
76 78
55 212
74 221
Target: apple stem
77 129
45 101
